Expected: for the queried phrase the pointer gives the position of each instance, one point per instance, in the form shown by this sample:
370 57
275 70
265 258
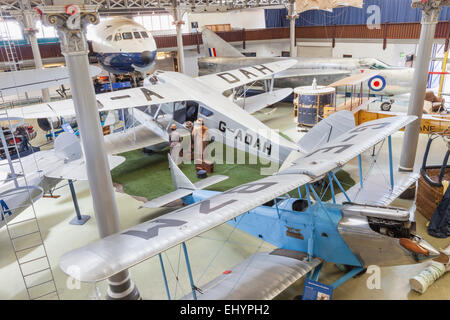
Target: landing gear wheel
386 106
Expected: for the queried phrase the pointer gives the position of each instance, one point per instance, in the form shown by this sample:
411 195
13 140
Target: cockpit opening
300 205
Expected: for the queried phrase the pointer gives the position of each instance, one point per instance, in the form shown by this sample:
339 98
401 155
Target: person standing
175 144
190 126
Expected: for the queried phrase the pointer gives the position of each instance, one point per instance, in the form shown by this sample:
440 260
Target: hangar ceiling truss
130 6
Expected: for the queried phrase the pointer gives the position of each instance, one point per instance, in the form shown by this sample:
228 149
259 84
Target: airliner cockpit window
136 35
127 35
117 37
109 38
378 65
374 64
144 34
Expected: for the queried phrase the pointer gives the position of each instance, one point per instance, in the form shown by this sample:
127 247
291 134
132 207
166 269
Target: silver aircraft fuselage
324 70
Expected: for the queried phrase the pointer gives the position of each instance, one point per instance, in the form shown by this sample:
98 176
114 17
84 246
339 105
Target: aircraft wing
120 251
347 146
35 79
261 277
133 138
260 101
303 72
226 80
76 170
128 98
110 255
54 166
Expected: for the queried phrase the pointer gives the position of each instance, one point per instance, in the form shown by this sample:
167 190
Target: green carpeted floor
148 176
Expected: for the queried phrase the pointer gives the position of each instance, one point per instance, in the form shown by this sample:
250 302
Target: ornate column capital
70 22
430 9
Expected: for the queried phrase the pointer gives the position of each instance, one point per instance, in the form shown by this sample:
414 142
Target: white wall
267 49
394 54
391 55
249 19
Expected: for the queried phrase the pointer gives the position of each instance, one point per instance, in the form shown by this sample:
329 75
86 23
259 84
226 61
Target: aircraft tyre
386 106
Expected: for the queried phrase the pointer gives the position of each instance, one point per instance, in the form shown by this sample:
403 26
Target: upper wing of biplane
154 94
106 257
227 80
129 98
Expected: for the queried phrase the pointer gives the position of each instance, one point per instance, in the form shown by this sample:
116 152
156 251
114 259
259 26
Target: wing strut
188 265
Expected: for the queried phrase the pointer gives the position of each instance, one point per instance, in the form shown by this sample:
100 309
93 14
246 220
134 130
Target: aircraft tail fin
215 46
179 179
184 186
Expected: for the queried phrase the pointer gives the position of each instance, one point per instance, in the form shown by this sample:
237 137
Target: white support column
292 16
70 22
178 22
28 22
430 13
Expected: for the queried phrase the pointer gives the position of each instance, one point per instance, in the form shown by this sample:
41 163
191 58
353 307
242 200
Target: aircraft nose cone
147 57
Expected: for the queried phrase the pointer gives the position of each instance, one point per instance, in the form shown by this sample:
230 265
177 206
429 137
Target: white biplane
306 232
175 97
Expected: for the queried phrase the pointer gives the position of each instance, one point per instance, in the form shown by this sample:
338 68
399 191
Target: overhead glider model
389 81
306 232
122 45
177 98
26 181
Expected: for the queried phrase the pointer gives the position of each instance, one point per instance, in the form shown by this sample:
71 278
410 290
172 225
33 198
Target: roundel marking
377 83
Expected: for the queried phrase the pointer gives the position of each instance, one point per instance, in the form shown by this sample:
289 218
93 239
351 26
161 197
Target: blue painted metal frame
314 275
391 168
164 276
188 265
311 238
340 186
360 171
330 181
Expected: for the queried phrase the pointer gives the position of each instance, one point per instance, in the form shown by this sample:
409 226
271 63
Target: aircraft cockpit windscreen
127 35
374 64
144 34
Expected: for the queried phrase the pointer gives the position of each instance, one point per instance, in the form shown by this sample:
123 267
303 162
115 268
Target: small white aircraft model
26 181
158 105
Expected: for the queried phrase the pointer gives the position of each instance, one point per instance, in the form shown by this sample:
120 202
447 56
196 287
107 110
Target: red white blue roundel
377 83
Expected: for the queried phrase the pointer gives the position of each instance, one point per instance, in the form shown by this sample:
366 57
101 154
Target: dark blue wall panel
391 11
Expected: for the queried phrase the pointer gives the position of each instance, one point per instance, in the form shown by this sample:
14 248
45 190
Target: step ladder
13 59
23 227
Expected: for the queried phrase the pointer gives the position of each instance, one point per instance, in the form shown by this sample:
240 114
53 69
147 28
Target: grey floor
209 253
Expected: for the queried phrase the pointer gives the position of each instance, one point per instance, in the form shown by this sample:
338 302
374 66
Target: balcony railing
387 31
